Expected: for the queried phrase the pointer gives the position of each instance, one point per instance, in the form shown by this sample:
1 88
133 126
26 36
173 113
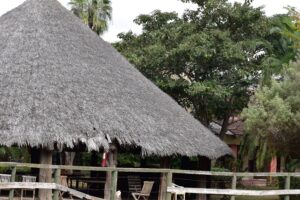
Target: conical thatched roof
61 83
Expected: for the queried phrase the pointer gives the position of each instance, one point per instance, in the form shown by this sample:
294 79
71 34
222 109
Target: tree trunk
165 164
203 181
112 162
45 174
68 159
224 127
282 164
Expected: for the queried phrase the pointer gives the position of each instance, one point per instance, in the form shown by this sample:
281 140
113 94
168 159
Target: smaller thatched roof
61 83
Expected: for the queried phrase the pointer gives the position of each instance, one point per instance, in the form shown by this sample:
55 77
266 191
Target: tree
283 38
295 15
281 49
206 60
95 13
273 115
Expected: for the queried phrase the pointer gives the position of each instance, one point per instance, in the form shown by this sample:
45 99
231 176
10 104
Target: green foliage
13 154
281 49
206 59
94 13
273 116
128 160
295 26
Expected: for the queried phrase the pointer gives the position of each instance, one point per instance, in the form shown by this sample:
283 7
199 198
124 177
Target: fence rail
233 192
169 176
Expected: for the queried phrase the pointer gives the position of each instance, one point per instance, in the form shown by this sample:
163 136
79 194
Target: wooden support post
57 181
165 164
169 184
233 186
112 162
287 186
13 179
45 175
114 183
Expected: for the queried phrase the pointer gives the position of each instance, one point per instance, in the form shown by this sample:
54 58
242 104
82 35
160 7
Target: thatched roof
61 83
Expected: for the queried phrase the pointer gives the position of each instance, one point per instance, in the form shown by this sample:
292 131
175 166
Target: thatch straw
61 83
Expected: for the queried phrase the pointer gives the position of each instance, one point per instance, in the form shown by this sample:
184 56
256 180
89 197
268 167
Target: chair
178 193
145 192
64 182
5 178
28 179
134 183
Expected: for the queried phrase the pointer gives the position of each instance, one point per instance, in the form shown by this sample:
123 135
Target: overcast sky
124 12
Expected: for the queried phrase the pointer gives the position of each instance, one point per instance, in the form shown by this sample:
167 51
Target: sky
124 12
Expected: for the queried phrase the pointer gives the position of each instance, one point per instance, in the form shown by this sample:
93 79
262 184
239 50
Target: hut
62 85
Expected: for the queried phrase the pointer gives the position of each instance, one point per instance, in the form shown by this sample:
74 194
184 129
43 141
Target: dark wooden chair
134 184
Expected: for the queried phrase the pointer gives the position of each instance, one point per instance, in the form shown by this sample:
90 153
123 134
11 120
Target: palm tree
95 13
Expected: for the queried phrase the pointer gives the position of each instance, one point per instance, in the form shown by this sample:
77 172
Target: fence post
13 179
169 184
114 183
287 186
233 185
57 173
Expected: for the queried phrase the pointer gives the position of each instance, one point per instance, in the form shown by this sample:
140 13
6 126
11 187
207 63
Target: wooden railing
169 174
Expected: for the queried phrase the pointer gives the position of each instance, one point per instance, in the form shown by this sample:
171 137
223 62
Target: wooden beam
165 164
114 183
147 170
112 163
169 184
57 176
45 175
234 192
46 186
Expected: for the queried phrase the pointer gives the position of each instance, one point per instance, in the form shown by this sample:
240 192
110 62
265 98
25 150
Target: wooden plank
27 185
44 166
13 178
234 192
46 186
76 193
